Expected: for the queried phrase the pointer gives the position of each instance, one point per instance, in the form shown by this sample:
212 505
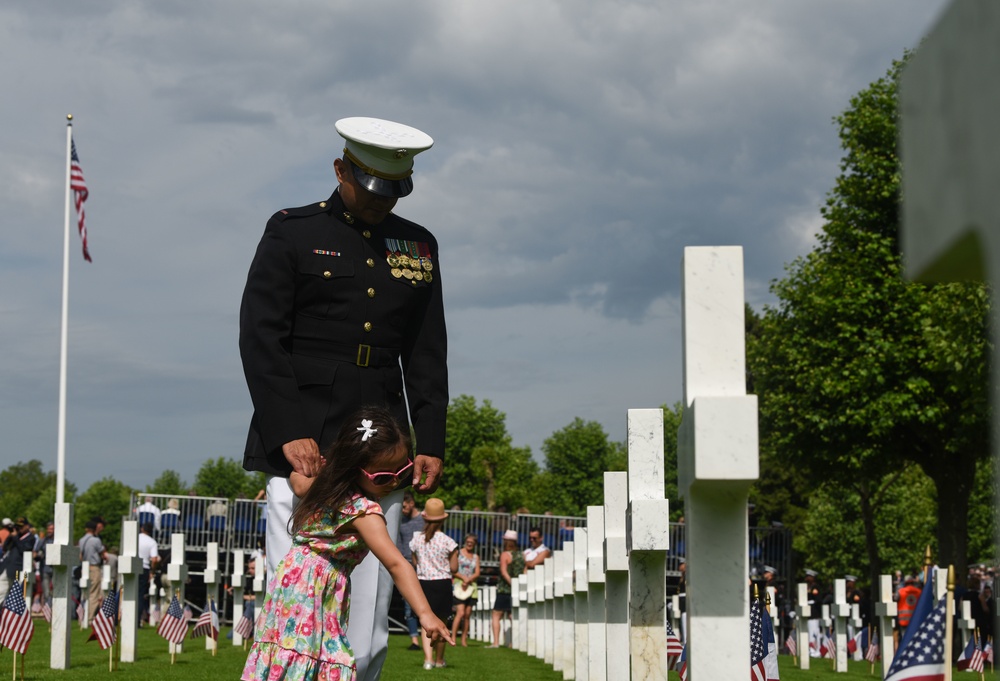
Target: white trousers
371 585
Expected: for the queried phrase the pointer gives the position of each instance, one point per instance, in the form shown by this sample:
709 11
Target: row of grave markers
63 555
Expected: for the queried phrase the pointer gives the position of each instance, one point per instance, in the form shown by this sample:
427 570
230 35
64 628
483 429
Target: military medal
393 261
408 274
396 272
410 260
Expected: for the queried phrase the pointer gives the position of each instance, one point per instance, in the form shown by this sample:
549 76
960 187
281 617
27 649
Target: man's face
535 538
408 506
370 208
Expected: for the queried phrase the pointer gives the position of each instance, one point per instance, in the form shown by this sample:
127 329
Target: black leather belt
360 355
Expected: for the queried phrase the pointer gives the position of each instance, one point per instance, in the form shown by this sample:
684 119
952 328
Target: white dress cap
382 153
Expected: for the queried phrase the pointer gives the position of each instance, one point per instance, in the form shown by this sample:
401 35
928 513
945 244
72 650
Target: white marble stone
581 629
647 541
212 576
717 460
84 584
802 611
237 580
62 555
597 659
533 629
177 572
568 613
130 569
521 624
855 626
559 642
840 612
615 572
885 611
549 616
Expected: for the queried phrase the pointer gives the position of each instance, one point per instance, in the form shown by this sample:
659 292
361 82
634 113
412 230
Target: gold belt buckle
364 354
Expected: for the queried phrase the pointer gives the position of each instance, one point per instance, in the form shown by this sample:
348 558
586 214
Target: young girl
301 632
468 573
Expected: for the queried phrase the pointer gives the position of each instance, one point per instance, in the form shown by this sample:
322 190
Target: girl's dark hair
431 528
336 480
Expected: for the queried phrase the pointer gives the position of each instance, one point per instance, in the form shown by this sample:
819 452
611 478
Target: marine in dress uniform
343 308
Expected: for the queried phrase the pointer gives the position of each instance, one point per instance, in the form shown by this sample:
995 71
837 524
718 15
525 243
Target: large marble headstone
62 555
717 461
615 571
597 660
130 568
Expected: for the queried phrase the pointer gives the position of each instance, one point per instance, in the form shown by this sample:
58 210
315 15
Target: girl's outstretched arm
374 533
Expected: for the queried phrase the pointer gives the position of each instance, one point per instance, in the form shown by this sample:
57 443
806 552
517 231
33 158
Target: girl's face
392 463
470 544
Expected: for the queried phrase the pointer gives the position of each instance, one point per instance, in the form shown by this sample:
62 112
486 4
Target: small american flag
971 659
16 627
872 653
682 665
79 187
988 652
793 648
104 625
244 627
674 647
47 611
173 626
79 612
208 623
758 646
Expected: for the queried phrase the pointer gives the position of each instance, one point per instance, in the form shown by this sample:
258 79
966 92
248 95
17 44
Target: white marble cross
177 572
717 461
61 555
885 612
533 627
855 626
803 612
581 629
548 618
84 584
130 568
965 622
597 660
950 150
647 542
840 612
615 571
236 581
212 575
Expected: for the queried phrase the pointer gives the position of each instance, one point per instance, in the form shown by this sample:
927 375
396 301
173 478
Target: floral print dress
301 632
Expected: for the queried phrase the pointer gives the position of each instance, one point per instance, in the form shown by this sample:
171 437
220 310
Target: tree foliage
169 484
108 499
860 371
27 489
576 458
224 477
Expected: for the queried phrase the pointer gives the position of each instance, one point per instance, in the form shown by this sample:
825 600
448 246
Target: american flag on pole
674 647
16 627
921 653
682 665
46 611
80 194
173 626
988 651
208 623
105 622
244 627
971 659
793 648
758 646
771 655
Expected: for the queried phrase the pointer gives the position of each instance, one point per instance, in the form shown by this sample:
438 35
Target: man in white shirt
150 557
148 506
537 552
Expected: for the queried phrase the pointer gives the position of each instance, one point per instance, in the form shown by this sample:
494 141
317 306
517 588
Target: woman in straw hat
435 556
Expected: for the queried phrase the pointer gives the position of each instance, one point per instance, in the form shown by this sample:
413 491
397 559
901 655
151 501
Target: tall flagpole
61 455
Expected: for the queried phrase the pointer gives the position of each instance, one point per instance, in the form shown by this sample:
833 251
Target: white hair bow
366 425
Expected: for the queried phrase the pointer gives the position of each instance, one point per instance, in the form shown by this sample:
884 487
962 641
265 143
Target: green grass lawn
88 662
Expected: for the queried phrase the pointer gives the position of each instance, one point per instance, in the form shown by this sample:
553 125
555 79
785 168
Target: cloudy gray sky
579 147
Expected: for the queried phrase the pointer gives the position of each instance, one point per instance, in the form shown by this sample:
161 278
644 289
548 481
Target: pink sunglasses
380 479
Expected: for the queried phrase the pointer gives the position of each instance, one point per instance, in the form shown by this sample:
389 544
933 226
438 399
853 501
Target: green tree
507 474
576 458
108 499
483 429
224 477
671 424
27 489
859 371
169 483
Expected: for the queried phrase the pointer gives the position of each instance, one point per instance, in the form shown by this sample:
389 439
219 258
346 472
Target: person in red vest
909 594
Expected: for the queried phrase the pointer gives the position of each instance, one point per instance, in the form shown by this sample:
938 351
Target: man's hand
303 455
431 466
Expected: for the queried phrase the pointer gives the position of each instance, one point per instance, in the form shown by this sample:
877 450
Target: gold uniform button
367 234
370 262
322 204
371 293
368 326
327 274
